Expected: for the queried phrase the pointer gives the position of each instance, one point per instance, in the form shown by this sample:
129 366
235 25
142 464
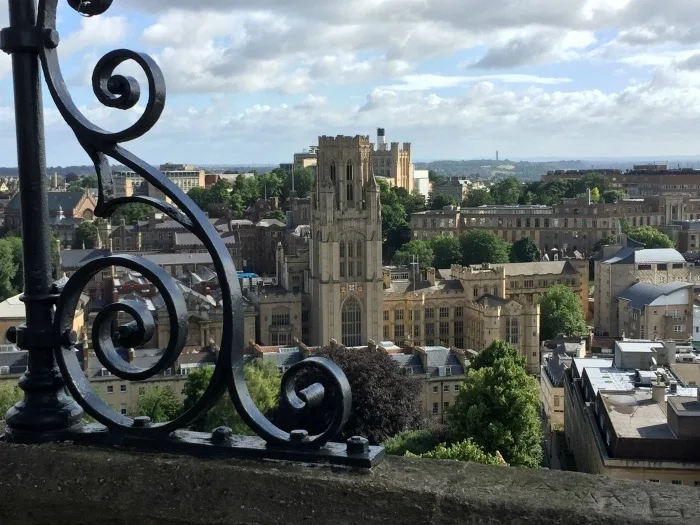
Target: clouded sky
458 78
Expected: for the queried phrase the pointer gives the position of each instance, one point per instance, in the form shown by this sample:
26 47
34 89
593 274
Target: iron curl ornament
46 412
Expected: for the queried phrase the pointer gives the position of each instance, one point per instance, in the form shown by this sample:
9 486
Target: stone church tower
346 245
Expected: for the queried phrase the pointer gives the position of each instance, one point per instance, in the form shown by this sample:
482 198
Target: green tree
561 313
15 244
480 246
385 401
263 381
605 241
595 195
416 442
439 201
8 269
507 191
446 250
277 215
525 250
479 197
86 233
272 184
614 196
159 403
421 249
132 213
497 408
247 189
10 394
395 228
89 181
75 187
650 237
303 182
466 450
202 197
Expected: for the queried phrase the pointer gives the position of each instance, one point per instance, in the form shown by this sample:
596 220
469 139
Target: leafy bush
412 441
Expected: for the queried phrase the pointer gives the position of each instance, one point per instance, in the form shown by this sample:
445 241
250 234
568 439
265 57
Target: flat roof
636 415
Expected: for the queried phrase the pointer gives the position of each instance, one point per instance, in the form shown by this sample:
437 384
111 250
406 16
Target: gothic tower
346 244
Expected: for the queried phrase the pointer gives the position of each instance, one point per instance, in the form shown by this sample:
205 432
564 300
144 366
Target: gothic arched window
350 193
352 323
334 177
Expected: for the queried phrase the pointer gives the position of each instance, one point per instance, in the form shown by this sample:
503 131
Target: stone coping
65 484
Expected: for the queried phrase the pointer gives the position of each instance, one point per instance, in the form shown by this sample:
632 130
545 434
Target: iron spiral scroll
332 391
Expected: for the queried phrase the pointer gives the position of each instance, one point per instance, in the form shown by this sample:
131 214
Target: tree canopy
481 246
440 200
651 237
303 182
476 198
420 249
159 403
10 394
396 205
525 250
86 233
446 251
605 241
560 313
614 196
263 381
507 191
497 409
132 213
385 401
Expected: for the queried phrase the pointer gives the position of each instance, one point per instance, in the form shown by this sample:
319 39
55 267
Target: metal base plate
200 444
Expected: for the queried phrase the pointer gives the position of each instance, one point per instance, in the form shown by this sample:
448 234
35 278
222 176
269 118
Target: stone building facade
128 183
346 244
392 162
619 267
575 225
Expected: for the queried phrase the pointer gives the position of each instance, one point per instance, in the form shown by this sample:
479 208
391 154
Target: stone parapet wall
65 484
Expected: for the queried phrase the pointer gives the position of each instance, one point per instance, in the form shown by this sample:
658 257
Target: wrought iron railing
47 411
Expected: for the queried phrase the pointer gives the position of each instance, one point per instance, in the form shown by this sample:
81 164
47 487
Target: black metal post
46 409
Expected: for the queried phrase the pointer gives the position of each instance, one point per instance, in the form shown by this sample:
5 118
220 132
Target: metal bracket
356 453
30 39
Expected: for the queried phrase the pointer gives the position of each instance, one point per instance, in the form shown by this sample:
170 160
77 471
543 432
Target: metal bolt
297 436
221 435
357 445
142 422
51 39
11 334
69 337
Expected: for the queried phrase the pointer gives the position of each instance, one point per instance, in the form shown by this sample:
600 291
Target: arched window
350 193
334 177
352 323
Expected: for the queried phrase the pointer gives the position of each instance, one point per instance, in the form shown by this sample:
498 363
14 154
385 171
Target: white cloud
426 82
93 32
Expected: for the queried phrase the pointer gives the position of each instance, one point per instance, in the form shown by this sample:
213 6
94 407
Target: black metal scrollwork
123 92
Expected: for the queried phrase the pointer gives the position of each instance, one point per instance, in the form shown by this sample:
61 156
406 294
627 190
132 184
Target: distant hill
488 168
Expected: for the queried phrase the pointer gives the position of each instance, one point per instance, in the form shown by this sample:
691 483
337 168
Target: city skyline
247 84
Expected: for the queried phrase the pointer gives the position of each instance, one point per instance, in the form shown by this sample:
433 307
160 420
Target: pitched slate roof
439 356
67 200
410 360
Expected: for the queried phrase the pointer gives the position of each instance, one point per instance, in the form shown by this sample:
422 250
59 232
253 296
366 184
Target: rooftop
642 294
631 255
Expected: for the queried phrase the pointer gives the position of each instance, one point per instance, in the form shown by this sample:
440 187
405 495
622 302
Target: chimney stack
658 393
